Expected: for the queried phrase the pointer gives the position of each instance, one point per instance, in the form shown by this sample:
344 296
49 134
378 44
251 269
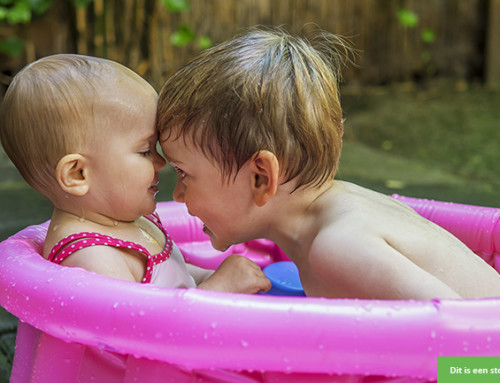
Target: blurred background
422 103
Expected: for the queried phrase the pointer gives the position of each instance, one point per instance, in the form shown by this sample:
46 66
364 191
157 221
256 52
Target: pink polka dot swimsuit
75 242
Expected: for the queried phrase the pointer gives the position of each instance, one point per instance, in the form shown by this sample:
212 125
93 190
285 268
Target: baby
82 131
254 129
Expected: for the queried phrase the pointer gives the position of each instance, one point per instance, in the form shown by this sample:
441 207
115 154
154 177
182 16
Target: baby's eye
145 153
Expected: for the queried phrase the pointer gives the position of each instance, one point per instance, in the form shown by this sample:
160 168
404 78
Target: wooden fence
137 33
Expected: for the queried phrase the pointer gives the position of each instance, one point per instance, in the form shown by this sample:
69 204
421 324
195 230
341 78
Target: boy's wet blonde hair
262 90
47 112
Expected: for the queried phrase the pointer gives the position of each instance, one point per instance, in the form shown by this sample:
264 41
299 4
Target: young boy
253 128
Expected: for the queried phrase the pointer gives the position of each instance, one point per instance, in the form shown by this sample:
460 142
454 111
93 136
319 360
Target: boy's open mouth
206 230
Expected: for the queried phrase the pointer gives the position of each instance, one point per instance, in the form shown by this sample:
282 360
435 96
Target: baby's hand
237 274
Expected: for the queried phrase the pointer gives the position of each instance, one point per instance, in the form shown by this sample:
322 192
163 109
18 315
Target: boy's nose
179 191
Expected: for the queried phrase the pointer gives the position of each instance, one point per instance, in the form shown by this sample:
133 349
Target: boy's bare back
372 246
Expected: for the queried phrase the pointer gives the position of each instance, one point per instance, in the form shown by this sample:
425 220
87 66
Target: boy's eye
181 173
146 153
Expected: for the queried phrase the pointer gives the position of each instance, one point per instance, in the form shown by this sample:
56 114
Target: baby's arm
199 274
108 261
369 268
237 274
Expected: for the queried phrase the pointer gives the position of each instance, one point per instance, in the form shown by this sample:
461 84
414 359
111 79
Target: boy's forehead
173 147
181 150
178 148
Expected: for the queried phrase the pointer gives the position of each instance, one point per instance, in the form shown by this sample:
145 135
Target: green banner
465 369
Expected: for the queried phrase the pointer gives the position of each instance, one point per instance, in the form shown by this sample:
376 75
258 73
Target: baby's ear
265 176
71 174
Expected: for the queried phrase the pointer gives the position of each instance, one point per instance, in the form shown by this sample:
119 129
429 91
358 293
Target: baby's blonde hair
263 90
47 112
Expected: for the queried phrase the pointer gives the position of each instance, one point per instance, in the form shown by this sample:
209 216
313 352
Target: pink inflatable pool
76 326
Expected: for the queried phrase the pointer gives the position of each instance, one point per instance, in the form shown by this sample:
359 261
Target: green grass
391 174
442 127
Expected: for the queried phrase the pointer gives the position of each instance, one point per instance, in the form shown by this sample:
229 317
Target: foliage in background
18 12
184 35
15 12
409 19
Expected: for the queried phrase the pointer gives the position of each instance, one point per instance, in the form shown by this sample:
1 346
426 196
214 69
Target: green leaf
19 13
82 3
39 7
3 13
428 35
13 46
183 36
426 56
205 42
407 18
176 5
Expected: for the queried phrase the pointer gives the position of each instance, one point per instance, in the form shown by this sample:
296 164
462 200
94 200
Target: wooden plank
492 50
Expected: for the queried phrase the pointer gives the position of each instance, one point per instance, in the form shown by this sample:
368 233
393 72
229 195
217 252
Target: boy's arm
237 274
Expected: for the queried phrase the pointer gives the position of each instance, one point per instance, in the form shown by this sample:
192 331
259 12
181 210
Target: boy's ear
71 174
265 176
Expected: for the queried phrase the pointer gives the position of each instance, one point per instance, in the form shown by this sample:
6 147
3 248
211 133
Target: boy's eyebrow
171 160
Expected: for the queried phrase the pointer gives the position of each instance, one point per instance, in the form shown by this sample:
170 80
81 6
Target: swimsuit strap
155 218
68 245
160 257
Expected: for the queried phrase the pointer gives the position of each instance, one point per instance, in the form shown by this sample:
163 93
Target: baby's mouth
154 188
